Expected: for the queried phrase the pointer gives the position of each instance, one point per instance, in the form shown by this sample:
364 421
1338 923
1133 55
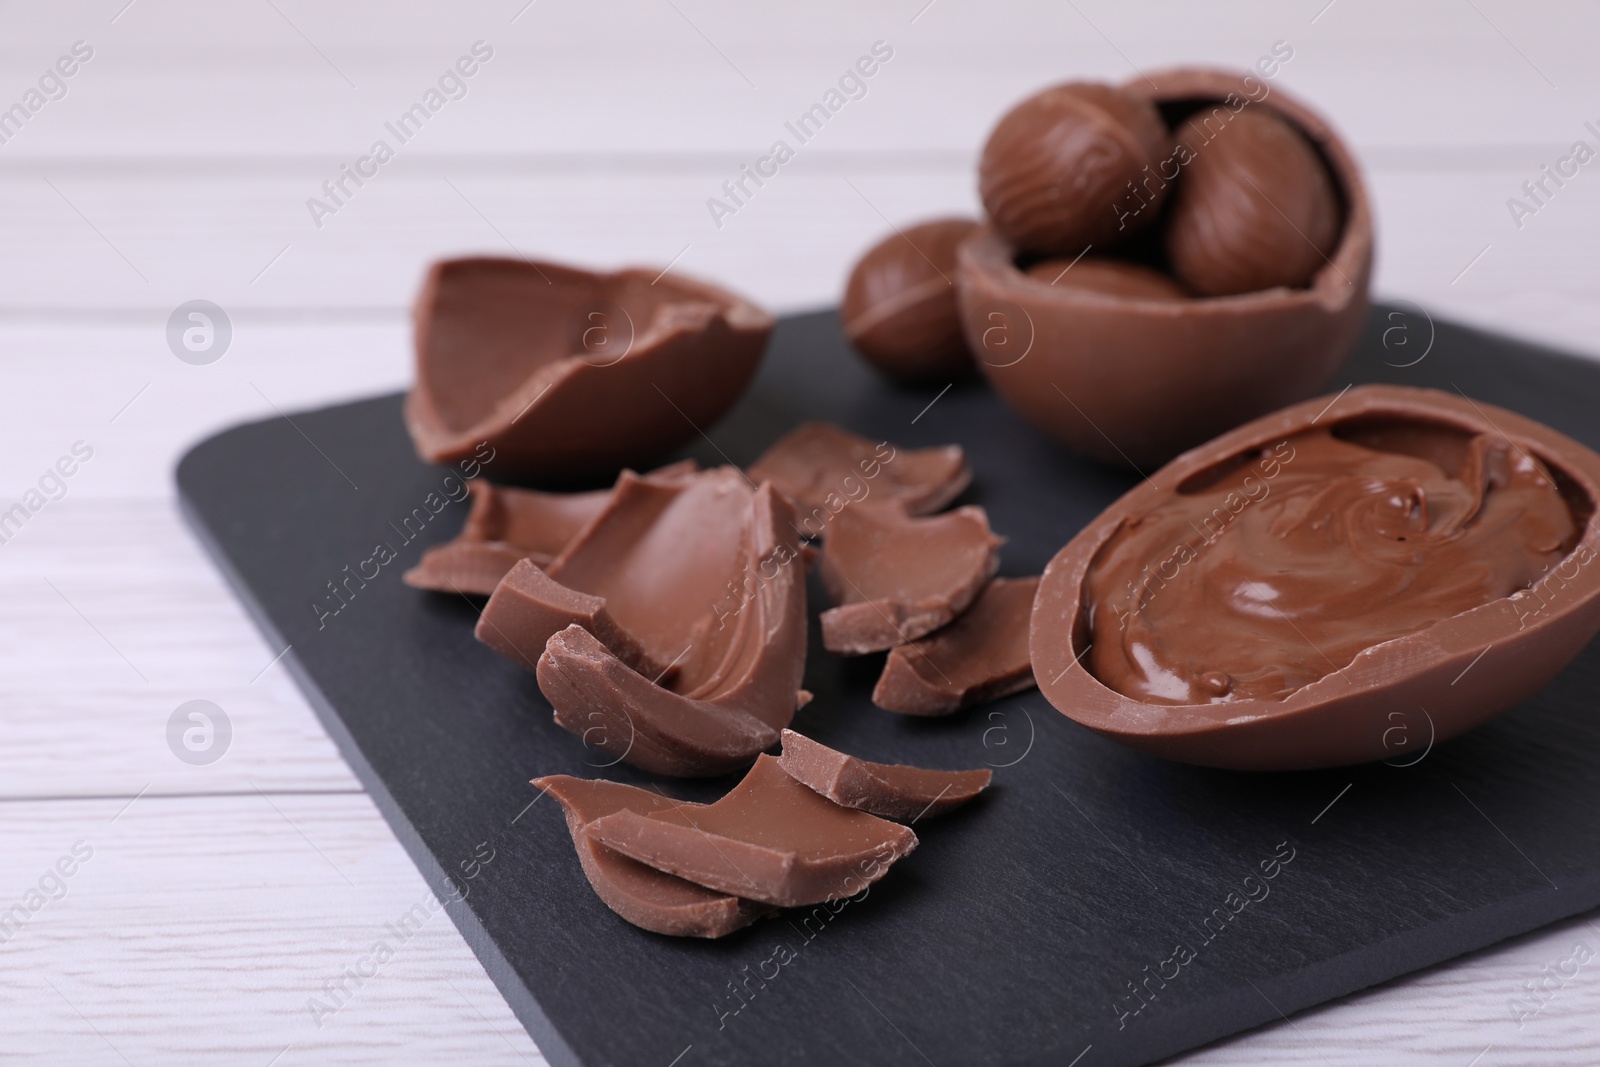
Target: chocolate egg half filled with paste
1328 584
567 372
1132 379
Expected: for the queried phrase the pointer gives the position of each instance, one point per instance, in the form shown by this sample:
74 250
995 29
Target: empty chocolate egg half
1134 381
566 372
1350 579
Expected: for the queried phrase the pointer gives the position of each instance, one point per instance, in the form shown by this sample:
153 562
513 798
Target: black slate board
1014 933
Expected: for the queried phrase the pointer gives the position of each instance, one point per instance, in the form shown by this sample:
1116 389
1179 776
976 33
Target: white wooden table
217 900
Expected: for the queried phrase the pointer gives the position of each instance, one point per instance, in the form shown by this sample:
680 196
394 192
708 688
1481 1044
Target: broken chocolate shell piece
689 596
982 656
569 372
896 578
644 896
1355 573
506 525
892 790
769 839
621 712
823 469
461 566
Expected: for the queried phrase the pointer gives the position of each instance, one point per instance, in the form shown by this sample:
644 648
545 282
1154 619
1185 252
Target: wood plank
199 931
1527 1001
114 618
248 243
224 910
717 74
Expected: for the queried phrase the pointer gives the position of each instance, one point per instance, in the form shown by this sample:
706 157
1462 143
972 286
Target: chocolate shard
692 595
566 372
623 713
893 790
530 607
981 656
462 566
506 525
769 839
821 468
644 896
896 578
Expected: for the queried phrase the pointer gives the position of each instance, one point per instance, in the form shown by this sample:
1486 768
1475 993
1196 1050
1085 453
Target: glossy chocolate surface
899 308
824 469
644 896
894 577
671 632
892 790
981 656
1111 277
769 839
1056 172
506 525
568 372
1300 581
1134 382
1327 543
1254 209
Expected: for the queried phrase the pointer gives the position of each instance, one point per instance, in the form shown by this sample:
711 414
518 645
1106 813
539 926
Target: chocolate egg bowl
1132 380
1290 594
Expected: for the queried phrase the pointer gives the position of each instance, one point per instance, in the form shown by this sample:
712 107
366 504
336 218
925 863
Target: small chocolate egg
1254 208
1073 166
900 303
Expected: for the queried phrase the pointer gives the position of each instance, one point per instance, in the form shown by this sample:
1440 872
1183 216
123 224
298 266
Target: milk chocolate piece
982 656
529 607
644 896
899 308
1255 207
568 372
1285 595
823 469
506 525
769 839
1061 169
1112 277
896 578
1136 381
892 790
465 566
689 601
599 697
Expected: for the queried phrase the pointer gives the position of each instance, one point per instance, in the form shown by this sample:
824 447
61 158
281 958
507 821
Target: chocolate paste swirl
1286 567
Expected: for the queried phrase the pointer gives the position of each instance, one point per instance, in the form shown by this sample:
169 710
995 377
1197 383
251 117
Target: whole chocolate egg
899 306
1254 207
1074 166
